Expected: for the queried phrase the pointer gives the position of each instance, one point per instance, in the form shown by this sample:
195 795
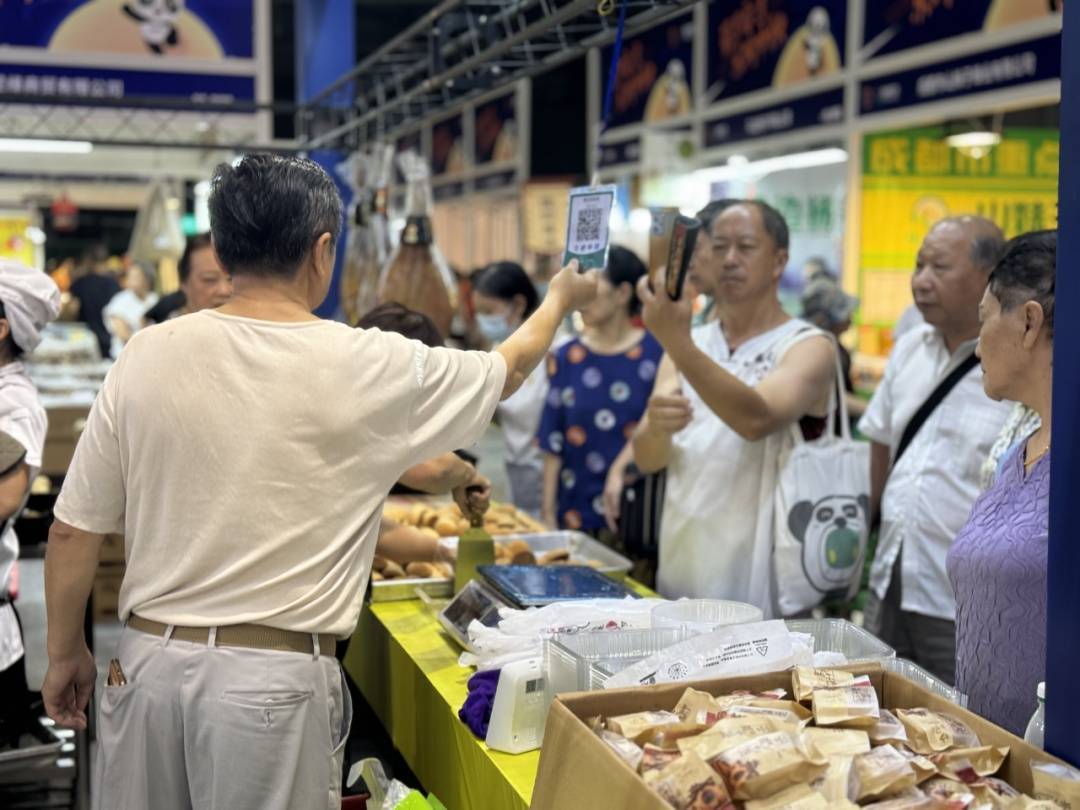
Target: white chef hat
31 300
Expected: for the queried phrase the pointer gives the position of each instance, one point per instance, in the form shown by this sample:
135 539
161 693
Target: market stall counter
406 667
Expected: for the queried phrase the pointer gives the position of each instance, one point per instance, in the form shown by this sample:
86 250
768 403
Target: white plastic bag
521 633
822 514
742 649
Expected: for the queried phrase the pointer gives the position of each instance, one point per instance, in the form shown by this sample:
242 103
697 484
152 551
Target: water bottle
1037 726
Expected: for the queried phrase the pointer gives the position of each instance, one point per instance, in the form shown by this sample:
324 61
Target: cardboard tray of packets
856 736
519 539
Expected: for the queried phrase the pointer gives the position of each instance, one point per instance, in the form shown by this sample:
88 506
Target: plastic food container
913 672
704 615
840 636
584 661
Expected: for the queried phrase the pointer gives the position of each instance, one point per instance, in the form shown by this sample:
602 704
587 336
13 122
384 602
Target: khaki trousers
201 727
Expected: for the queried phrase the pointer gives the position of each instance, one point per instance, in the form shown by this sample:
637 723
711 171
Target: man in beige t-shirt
246 452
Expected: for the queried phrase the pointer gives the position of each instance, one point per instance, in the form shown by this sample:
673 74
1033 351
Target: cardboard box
65 427
578 770
112 549
106 593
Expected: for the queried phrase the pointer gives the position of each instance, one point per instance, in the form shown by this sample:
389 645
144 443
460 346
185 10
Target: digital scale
521 697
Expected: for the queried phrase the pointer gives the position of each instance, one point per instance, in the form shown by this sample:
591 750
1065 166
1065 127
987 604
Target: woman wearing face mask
600 384
504 298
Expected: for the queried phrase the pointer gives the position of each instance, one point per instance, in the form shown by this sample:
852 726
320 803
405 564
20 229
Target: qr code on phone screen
589 224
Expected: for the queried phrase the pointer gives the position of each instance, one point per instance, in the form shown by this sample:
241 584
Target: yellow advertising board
912 179
14 242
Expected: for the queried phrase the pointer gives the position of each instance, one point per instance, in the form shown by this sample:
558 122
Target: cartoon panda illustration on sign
157 22
832 532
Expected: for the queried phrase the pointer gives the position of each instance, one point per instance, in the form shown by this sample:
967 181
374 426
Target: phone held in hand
587 233
684 235
663 222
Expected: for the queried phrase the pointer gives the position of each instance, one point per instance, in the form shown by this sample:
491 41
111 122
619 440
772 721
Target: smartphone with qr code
684 236
587 232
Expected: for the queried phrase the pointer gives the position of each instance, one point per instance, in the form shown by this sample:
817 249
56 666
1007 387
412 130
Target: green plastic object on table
475 548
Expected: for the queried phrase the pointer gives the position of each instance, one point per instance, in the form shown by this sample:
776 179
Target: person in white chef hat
29 300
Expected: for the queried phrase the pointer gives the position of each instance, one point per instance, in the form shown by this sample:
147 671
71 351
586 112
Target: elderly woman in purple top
998 563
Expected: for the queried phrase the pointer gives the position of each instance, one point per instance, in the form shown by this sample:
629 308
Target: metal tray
45 751
582 548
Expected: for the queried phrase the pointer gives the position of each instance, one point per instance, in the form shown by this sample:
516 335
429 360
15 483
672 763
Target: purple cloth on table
997 567
476 713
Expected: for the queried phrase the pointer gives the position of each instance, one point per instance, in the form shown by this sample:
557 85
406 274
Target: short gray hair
267 212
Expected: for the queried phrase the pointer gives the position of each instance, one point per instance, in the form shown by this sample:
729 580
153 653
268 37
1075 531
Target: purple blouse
997 567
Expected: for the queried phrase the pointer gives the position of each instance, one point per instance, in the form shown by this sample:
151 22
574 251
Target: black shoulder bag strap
927 408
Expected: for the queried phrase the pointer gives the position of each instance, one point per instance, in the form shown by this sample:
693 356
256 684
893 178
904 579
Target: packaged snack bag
838 741
888 729
688 783
881 774
931 733
766 765
855 706
804 680
641 724
970 764
799 797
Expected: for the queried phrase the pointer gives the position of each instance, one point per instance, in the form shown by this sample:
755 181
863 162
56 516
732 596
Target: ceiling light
42 146
975 144
759 168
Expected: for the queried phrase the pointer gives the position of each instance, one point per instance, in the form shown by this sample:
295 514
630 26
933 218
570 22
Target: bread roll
555 556
446 527
420 569
379 563
524 558
392 570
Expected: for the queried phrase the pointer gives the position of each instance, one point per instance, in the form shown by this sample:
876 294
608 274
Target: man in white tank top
726 394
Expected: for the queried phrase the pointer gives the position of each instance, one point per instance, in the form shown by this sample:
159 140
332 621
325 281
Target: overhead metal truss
137 122
458 51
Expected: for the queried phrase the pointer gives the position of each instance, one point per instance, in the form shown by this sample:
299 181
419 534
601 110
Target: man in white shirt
926 496
29 299
246 453
726 395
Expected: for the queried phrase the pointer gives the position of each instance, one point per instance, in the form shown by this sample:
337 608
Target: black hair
775 224
987 249
505 280
393 317
707 215
1026 272
624 267
195 242
267 211
9 346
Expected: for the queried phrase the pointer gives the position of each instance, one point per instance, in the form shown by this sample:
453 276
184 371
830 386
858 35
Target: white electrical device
520 710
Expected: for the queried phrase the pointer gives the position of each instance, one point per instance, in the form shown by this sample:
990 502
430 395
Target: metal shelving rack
456 52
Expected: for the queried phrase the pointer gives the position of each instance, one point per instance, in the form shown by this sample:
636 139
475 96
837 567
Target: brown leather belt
252 636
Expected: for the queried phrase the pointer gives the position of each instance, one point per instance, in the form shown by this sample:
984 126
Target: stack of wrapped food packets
826 745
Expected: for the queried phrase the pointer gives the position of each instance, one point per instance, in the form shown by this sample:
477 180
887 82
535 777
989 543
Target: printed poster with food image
897 25
762 44
157 29
496 131
113 49
448 147
654 77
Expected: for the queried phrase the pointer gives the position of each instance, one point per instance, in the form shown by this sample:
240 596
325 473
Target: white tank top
716 534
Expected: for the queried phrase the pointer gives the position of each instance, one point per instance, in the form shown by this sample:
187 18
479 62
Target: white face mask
493 327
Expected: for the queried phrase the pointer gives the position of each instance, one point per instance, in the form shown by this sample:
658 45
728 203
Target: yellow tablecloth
406 667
